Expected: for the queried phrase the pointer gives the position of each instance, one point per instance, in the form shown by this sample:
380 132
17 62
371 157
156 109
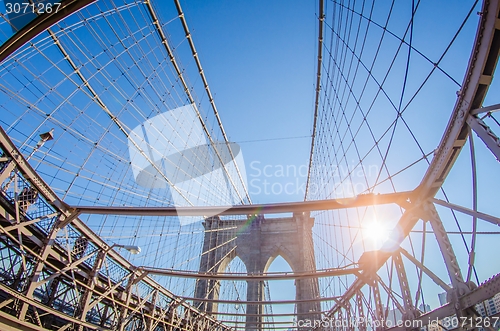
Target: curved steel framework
57 274
38 25
462 295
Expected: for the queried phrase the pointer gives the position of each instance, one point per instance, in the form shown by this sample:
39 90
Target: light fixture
133 249
44 137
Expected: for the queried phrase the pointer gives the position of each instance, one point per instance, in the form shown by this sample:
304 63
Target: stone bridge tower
257 242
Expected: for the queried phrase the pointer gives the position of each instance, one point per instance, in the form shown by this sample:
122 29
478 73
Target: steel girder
476 82
484 132
273 208
478 76
409 309
483 291
38 25
62 275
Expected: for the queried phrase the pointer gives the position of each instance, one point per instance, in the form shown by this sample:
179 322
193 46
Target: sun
375 231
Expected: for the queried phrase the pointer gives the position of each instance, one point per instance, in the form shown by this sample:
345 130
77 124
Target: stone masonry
257 242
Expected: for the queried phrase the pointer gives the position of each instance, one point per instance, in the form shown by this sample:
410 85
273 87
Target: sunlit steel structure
57 273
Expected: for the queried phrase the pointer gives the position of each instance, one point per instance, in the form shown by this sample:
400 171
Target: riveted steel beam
475 85
482 63
39 24
469 300
484 132
273 208
489 218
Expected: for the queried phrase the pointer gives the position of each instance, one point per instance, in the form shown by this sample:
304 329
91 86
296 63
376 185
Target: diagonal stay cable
113 118
164 41
207 88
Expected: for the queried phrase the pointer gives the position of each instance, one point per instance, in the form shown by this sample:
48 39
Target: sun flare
375 231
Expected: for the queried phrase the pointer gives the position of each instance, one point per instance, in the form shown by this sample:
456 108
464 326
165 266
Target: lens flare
376 232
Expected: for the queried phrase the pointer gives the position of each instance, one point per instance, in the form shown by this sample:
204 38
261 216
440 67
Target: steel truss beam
489 109
38 25
262 315
249 277
446 248
46 250
379 308
48 254
274 208
477 80
409 309
360 310
484 292
475 85
270 302
483 216
32 302
429 273
484 132
85 304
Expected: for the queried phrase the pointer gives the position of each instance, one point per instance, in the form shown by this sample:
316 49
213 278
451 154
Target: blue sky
260 59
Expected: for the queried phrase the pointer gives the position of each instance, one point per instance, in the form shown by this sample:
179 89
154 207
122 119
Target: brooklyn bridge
130 201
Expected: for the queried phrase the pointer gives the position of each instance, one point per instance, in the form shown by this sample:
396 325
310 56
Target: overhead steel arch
39 24
478 77
477 80
418 204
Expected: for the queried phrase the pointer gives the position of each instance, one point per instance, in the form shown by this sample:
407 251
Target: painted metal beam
38 25
409 309
489 109
249 277
483 216
360 310
362 200
24 168
480 294
32 302
484 132
475 85
292 314
426 270
446 248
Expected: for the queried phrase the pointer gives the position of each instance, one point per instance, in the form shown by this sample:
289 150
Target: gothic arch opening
280 290
232 290
260 244
284 254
